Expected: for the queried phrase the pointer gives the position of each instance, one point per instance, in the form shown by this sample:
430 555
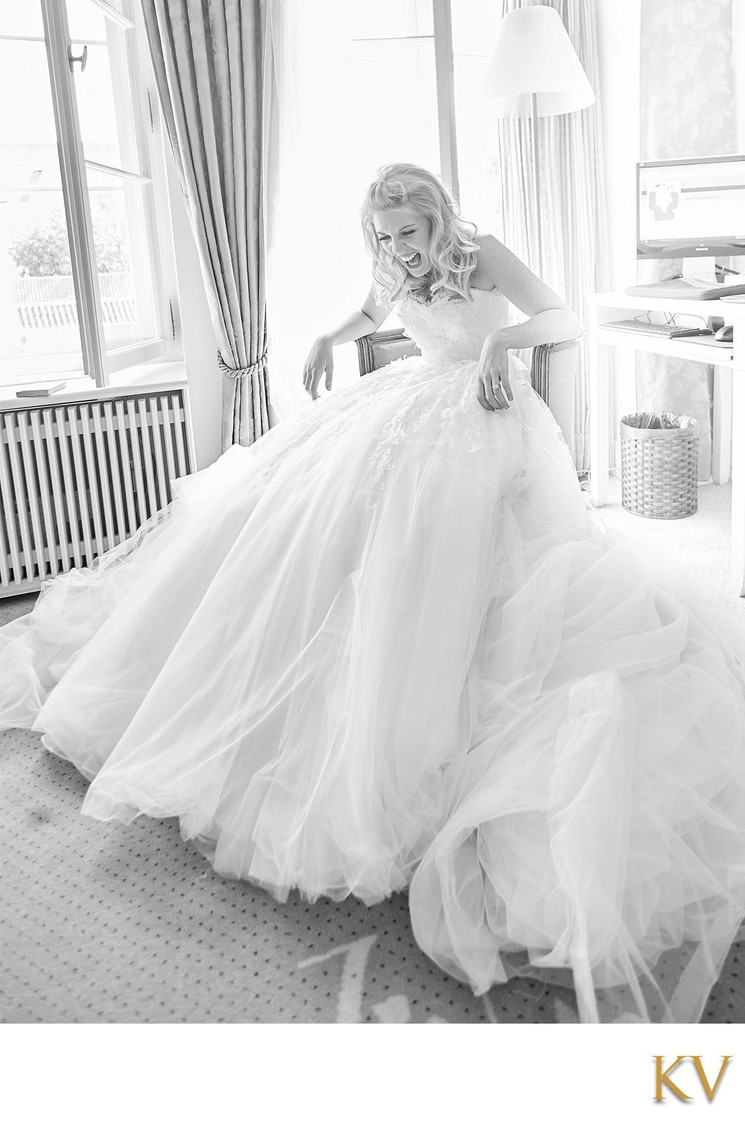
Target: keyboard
660 330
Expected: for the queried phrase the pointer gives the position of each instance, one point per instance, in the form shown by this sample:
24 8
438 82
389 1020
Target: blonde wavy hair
452 250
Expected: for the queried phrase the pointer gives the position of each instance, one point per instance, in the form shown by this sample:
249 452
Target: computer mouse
724 334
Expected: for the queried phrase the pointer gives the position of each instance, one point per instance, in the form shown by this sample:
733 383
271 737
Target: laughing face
405 234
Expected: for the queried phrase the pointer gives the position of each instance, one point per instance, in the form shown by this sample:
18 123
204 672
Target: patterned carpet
102 922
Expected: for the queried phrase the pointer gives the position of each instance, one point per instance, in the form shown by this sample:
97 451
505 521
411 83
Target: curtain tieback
241 372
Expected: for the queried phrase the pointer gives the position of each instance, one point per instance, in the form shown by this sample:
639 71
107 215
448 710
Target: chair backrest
552 370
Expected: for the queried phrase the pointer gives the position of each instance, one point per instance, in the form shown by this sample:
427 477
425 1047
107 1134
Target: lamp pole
536 182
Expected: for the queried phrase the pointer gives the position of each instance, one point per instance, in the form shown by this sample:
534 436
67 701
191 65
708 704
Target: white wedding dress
389 646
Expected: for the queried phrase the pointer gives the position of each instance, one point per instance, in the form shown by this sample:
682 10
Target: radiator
79 477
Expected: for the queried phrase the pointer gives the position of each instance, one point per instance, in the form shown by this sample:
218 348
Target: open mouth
412 261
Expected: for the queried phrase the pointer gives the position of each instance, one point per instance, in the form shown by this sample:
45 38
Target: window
87 279
435 113
474 36
390 39
392 60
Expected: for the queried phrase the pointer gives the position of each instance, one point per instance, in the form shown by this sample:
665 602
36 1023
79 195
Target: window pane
121 209
123 259
103 91
86 20
400 118
38 312
22 19
38 316
362 98
474 38
27 135
392 18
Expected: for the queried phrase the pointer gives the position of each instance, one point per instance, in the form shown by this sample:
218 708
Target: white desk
728 433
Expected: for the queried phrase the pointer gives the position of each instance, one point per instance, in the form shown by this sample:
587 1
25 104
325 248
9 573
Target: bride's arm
364 321
550 319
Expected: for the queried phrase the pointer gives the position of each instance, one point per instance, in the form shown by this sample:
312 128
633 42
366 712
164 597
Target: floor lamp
535 72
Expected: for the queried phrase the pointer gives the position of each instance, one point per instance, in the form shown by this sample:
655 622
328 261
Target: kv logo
663 1078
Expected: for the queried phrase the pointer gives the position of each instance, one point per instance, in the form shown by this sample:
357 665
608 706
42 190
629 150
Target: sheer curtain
316 266
362 93
219 87
573 212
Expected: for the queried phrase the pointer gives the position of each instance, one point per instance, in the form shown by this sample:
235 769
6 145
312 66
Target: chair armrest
382 347
552 376
545 362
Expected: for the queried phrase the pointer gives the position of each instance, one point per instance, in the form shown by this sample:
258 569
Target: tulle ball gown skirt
389 647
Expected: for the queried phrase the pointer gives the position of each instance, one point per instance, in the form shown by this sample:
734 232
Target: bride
388 646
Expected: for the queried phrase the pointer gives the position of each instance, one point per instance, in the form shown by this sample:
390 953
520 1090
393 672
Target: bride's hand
320 361
493 389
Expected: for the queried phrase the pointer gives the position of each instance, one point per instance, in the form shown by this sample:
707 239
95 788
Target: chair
552 369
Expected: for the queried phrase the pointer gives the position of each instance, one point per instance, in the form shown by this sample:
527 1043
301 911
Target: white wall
738 55
200 346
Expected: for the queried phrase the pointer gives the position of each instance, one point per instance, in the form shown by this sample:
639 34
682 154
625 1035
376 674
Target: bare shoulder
494 262
488 244
498 267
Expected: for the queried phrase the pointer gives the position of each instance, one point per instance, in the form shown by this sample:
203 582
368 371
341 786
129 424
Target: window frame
445 83
166 345
441 38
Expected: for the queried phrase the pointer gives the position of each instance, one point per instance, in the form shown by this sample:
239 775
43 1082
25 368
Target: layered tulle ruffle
387 646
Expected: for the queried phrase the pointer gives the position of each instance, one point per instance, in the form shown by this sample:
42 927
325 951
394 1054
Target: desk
728 458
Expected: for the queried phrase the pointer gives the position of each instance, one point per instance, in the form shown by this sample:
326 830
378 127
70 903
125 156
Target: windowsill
144 376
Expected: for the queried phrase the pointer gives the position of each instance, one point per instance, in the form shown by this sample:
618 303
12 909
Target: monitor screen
691 207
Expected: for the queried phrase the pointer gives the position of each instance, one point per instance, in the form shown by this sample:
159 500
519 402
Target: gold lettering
702 1075
664 1076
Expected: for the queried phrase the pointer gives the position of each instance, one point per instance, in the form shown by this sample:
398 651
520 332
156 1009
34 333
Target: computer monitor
687 208
691 207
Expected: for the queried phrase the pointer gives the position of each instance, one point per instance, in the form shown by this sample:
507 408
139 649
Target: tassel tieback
241 372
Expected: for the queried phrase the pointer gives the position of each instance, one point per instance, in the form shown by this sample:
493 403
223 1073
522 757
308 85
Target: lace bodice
451 330
419 395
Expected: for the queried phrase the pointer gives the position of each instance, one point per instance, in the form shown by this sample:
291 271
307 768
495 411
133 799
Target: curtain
215 65
687 101
572 208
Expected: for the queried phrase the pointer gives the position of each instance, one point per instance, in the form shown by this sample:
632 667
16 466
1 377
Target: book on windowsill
40 391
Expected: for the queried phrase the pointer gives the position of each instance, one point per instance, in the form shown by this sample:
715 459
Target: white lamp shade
534 56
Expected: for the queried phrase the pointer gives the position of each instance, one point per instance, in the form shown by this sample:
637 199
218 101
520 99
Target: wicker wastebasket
659 465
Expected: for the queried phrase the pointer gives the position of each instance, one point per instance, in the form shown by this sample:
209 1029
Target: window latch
82 59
